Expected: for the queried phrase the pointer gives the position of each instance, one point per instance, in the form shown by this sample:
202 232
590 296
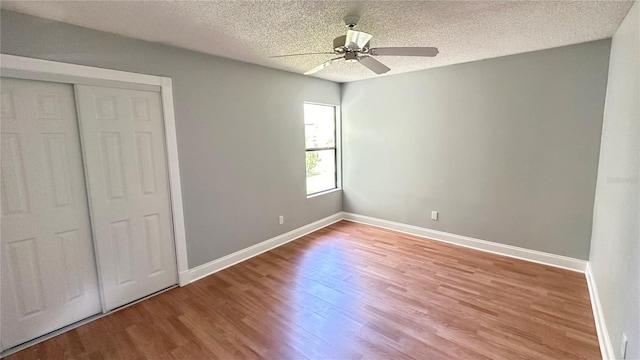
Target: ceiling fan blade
373 65
322 66
357 39
404 51
318 53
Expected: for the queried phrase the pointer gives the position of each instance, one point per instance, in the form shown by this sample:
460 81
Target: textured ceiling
252 31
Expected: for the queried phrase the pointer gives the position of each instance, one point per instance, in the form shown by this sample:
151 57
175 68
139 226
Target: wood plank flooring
352 291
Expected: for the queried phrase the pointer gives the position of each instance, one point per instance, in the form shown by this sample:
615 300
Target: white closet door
48 266
123 140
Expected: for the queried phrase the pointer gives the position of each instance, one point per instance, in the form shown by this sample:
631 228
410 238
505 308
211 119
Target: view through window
320 143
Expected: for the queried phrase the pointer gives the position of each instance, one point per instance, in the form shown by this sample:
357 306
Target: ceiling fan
355 47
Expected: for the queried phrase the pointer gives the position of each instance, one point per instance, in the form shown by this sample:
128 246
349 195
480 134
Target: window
321 149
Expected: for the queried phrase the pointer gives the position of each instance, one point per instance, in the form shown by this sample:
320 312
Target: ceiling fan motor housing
339 44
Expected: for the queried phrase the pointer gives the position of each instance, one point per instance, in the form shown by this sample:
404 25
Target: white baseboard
601 327
540 257
214 266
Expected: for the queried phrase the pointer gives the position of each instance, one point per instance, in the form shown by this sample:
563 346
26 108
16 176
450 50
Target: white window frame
338 141
45 70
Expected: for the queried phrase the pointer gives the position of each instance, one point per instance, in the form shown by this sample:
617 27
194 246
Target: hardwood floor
352 291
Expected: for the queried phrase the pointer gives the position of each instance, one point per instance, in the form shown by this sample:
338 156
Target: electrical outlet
434 215
623 346
281 219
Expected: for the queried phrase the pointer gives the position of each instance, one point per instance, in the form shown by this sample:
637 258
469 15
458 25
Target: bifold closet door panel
122 134
49 275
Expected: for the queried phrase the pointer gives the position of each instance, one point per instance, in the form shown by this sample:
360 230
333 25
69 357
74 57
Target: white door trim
24 67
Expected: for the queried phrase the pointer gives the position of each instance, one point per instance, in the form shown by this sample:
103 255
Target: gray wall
239 126
615 245
505 149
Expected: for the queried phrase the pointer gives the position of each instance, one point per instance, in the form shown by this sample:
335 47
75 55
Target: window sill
323 193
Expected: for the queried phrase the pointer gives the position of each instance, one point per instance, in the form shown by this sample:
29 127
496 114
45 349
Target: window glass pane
321 171
319 126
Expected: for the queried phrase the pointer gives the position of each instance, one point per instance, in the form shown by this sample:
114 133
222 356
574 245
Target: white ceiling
252 31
